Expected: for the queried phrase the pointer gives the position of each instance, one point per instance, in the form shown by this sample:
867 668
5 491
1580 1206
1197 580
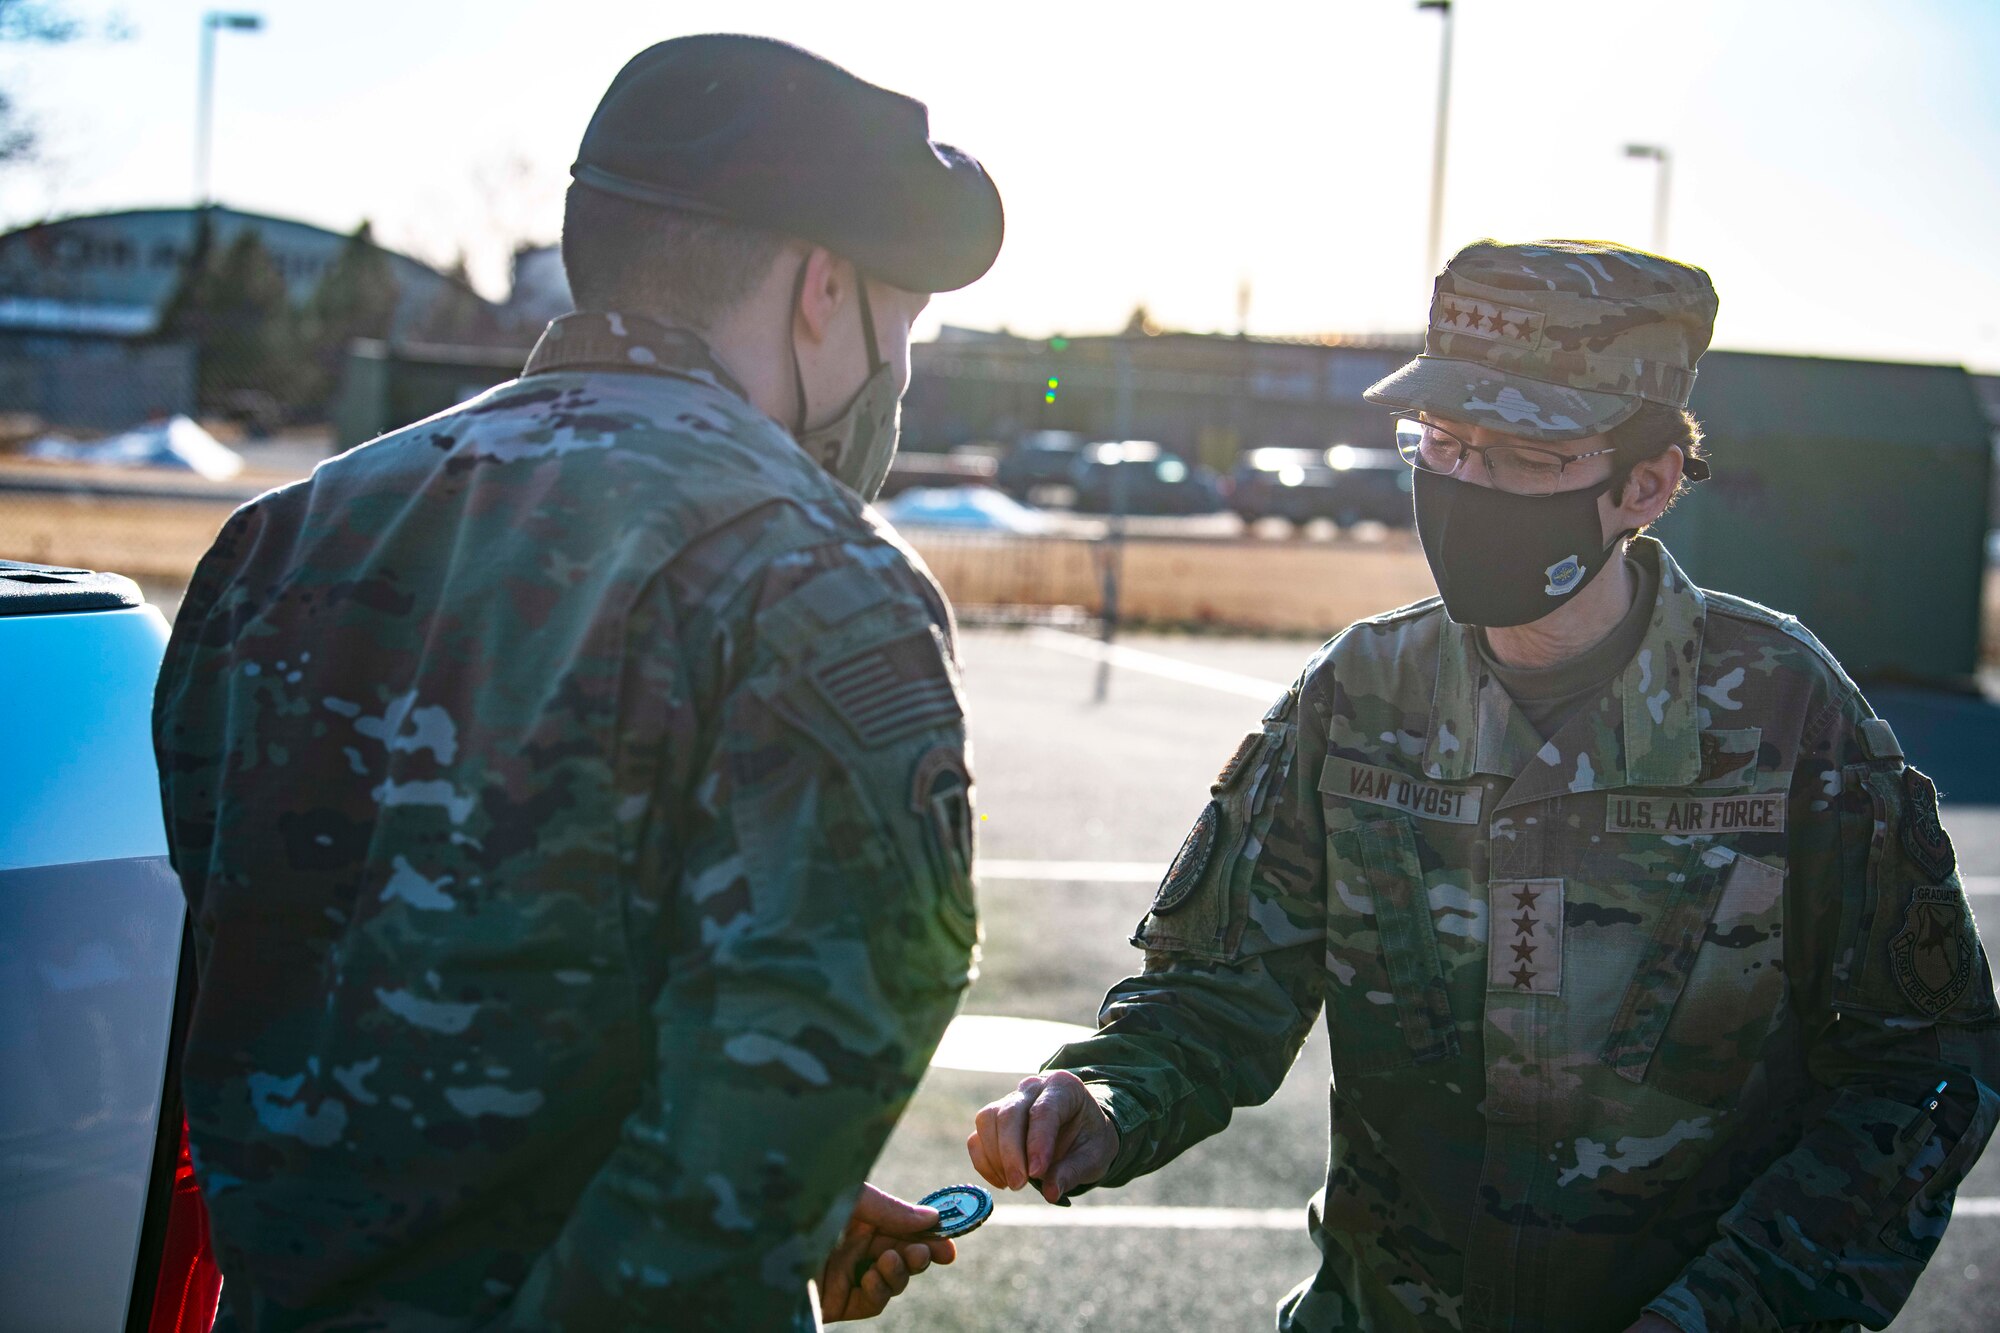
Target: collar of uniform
1475 727
1662 720
604 340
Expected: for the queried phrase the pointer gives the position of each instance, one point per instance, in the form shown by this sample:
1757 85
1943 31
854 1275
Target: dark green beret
766 133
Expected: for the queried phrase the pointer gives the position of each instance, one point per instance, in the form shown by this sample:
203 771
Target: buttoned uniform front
1620 1018
571 796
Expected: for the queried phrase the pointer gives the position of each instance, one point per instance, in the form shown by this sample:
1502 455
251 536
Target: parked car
963 509
1344 484
1154 480
910 469
107 1228
1043 459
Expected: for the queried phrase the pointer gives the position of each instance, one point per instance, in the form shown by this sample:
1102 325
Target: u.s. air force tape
961 1208
1756 812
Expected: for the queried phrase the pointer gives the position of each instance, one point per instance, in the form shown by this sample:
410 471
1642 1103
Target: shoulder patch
892 689
941 795
1934 952
1189 862
1924 838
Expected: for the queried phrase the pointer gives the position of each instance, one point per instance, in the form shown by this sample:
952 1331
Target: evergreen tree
233 307
457 315
357 296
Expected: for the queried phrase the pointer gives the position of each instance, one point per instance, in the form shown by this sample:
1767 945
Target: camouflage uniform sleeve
1897 1003
187 756
819 929
1233 970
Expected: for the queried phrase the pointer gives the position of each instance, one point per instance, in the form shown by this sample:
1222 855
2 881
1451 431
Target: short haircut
1648 433
686 267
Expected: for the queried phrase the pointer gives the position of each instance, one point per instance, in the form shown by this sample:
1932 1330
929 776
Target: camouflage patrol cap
1556 340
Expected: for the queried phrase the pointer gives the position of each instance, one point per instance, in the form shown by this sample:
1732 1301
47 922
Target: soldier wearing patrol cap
1653 997
570 791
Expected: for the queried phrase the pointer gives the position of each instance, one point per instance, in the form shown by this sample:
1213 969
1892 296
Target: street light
211 22
1443 7
1661 183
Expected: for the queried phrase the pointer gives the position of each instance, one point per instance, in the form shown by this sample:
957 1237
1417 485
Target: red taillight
190 1284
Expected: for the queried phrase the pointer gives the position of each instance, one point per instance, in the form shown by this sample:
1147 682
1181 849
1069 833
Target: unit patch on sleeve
1185 872
1924 837
1934 952
1760 813
1380 786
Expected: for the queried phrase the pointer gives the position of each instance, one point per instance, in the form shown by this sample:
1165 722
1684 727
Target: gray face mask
858 445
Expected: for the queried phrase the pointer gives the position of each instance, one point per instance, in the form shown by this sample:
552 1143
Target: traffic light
1054 384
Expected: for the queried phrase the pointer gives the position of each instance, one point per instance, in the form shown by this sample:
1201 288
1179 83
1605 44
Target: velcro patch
893 689
1470 316
1760 813
1380 786
1924 837
1238 761
1729 758
941 792
1524 950
1934 952
1189 863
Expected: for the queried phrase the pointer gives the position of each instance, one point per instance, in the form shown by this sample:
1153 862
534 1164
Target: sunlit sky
1836 163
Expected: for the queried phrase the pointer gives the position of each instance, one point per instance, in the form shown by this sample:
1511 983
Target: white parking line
996 1044
1076 872
1170 668
1148 872
1127 1218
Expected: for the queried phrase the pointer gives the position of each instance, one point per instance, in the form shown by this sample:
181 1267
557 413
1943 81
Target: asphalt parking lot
1065 780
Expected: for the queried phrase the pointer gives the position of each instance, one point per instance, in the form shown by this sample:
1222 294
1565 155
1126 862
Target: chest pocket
1387 991
1710 983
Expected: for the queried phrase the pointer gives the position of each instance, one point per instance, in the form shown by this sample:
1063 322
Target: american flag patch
891 690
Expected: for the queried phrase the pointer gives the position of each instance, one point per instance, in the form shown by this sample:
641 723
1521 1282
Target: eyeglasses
1520 469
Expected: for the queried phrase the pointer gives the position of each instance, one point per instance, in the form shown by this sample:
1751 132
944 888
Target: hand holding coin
886 1242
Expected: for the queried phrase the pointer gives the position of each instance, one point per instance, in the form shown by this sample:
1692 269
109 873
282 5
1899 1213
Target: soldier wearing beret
570 791
1653 996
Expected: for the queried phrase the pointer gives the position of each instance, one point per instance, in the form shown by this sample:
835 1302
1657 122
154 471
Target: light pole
1661 184
205 95
1443 7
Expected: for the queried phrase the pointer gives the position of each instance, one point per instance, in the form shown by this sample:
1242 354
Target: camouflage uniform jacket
1648 1015
570 793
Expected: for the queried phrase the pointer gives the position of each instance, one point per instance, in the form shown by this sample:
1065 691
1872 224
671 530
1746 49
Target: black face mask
1502 559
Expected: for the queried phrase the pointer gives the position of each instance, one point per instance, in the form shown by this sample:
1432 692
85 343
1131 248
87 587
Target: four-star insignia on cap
1484 319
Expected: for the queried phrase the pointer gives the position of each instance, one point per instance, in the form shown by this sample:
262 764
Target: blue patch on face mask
1564 576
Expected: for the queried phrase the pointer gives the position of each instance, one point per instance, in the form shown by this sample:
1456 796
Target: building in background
1208 397
82 300
540 290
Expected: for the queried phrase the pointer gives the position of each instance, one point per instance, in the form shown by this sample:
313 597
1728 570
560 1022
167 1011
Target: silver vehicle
104 1228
